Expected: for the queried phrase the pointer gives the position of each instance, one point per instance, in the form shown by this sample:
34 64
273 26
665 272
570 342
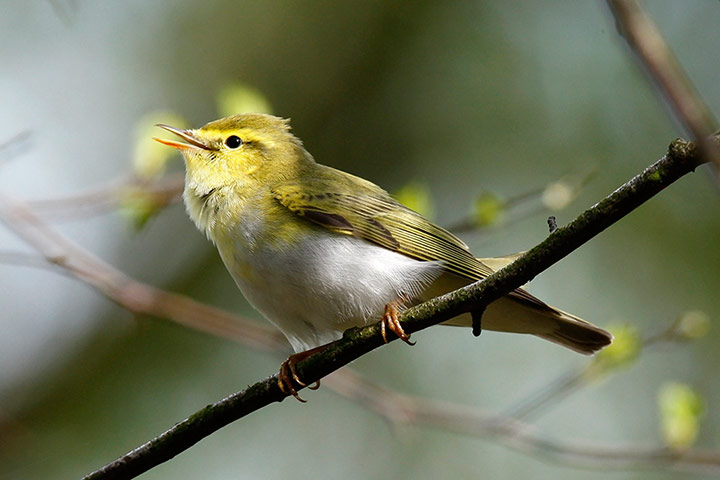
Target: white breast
319 287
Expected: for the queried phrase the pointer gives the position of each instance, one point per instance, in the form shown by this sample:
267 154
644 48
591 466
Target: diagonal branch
645 40
109 197
400 409
682 158
396 408
127 292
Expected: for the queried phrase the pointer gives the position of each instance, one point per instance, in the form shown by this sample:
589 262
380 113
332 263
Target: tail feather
548 322
576 334
520 312
510 314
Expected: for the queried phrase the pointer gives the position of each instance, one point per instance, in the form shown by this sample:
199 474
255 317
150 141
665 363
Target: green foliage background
460 98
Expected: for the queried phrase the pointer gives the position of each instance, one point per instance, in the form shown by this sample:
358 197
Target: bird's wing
370 213
373 215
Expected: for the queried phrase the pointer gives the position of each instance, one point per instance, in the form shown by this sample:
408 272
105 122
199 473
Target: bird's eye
233 141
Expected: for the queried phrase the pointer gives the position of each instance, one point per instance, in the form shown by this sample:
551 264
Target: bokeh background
460 106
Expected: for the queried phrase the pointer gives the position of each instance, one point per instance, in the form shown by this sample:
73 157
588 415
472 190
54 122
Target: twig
108 197
12 146
681 159
399 409
8 257
570 382
646 41
552 223
513 205
127 292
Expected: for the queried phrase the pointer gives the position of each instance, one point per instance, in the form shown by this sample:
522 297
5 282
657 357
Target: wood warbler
317 250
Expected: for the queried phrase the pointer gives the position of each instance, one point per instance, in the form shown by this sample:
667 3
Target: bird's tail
517 315
575 333
520 312
549 322
510 314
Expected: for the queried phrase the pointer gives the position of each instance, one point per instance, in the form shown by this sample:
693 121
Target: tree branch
127 292
645 40
572 381
108 197
682 158
396 408
11 147
399 409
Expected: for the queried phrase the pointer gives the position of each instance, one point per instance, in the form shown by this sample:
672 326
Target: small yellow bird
317 250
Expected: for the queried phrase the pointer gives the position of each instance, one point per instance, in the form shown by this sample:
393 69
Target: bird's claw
288 377
390 322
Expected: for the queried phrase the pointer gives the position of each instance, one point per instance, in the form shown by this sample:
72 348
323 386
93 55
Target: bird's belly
315 288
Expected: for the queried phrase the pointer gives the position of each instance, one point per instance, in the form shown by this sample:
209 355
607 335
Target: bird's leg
390 322
287 373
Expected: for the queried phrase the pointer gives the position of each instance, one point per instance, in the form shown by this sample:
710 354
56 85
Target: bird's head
248 149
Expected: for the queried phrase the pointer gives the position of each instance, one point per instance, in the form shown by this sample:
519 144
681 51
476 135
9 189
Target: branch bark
682 158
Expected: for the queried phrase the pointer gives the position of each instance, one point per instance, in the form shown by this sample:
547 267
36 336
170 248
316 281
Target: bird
317 250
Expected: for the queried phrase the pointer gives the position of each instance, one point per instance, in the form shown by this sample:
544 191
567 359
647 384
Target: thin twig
129 293
13 146
513 206
399 409
552 392
646 41
10 257
106 198
681 159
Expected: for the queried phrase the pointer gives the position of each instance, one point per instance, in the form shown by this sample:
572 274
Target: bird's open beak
186 135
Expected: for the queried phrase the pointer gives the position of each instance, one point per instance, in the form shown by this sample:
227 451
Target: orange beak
186 135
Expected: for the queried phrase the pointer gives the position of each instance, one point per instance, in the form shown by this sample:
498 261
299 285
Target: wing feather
372 214
376 217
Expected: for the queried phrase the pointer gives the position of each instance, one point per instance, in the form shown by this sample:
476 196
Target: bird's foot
390 322
287 374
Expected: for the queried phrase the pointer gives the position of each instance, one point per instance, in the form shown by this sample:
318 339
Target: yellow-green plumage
371 214
318 250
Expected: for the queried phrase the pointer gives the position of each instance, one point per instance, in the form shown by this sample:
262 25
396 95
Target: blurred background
487 115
